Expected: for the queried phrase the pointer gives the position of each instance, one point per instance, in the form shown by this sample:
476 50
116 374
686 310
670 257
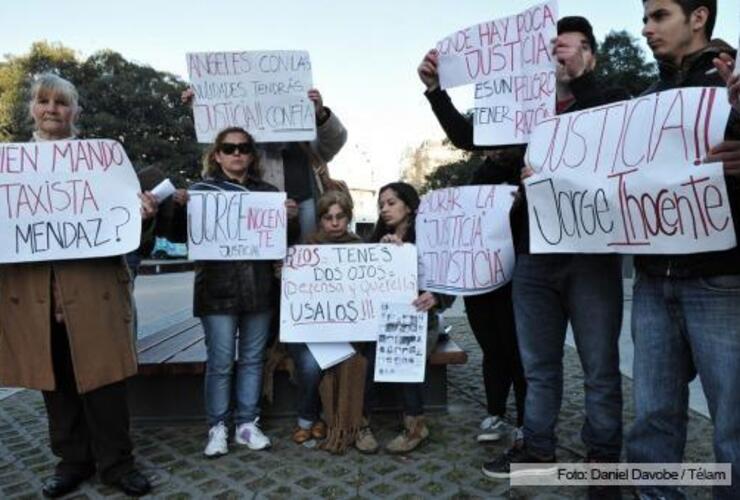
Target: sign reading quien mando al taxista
236 225
332 293
628 177
264 92
510 62
463 237
67 200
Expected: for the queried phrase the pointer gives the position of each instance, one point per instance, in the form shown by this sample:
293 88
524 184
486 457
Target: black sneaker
500 468
603 492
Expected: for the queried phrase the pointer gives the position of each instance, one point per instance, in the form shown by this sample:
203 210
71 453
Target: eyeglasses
229 148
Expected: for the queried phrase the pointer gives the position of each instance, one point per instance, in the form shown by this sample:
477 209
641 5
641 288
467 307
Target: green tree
621 63
458 173
134 104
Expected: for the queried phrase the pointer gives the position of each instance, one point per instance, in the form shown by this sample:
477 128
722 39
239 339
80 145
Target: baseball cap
580 25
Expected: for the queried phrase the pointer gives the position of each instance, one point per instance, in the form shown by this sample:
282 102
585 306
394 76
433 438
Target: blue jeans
308 378
220 334
681 327
548 291
307 217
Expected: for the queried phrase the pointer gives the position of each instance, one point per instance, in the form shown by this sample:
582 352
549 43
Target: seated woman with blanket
341 388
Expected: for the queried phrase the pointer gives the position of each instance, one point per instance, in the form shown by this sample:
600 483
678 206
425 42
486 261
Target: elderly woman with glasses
234 297
66 329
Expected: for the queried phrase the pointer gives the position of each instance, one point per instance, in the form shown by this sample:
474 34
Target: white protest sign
328 354
401 350
163 190
332 293
264 92
627 177
236 225
67 200
510 61
463 237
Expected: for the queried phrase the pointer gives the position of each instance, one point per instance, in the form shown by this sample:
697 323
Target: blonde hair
49 83
211 167
335 198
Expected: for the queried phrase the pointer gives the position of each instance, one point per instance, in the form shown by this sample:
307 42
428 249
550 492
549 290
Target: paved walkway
447 467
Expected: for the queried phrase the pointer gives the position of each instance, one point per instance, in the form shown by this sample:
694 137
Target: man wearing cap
549 290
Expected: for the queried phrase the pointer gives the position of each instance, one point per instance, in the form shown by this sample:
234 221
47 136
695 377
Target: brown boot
415 431
318 430
365 441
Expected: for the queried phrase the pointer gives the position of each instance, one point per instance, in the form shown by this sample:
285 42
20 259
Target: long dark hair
407 194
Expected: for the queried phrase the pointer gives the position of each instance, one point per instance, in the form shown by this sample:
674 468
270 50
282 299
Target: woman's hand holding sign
148 205
425 302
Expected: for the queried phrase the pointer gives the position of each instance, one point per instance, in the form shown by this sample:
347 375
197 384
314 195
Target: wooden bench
169 385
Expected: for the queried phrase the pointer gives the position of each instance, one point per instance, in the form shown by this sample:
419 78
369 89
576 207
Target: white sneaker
491 428
250 434
217 445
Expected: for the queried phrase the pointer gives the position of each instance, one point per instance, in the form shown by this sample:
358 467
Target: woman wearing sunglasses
234 296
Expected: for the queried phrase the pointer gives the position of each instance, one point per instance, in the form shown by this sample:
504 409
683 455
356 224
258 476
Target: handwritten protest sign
67 200
401 350
510 61
464 240
628 177
236 225
264 92
332 293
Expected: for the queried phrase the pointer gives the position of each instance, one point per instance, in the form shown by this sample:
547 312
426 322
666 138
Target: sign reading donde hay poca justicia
463 236
264 92
333 293
510 61
628 177
67 200
236 225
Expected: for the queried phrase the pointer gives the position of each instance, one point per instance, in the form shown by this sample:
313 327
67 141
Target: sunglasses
229 148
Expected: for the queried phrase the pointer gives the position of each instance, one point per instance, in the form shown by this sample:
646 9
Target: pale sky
364 53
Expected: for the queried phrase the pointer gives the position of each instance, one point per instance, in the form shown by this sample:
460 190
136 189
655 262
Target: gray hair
51 83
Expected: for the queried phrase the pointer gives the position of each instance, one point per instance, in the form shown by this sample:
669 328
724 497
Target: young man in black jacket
686 308
549 290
